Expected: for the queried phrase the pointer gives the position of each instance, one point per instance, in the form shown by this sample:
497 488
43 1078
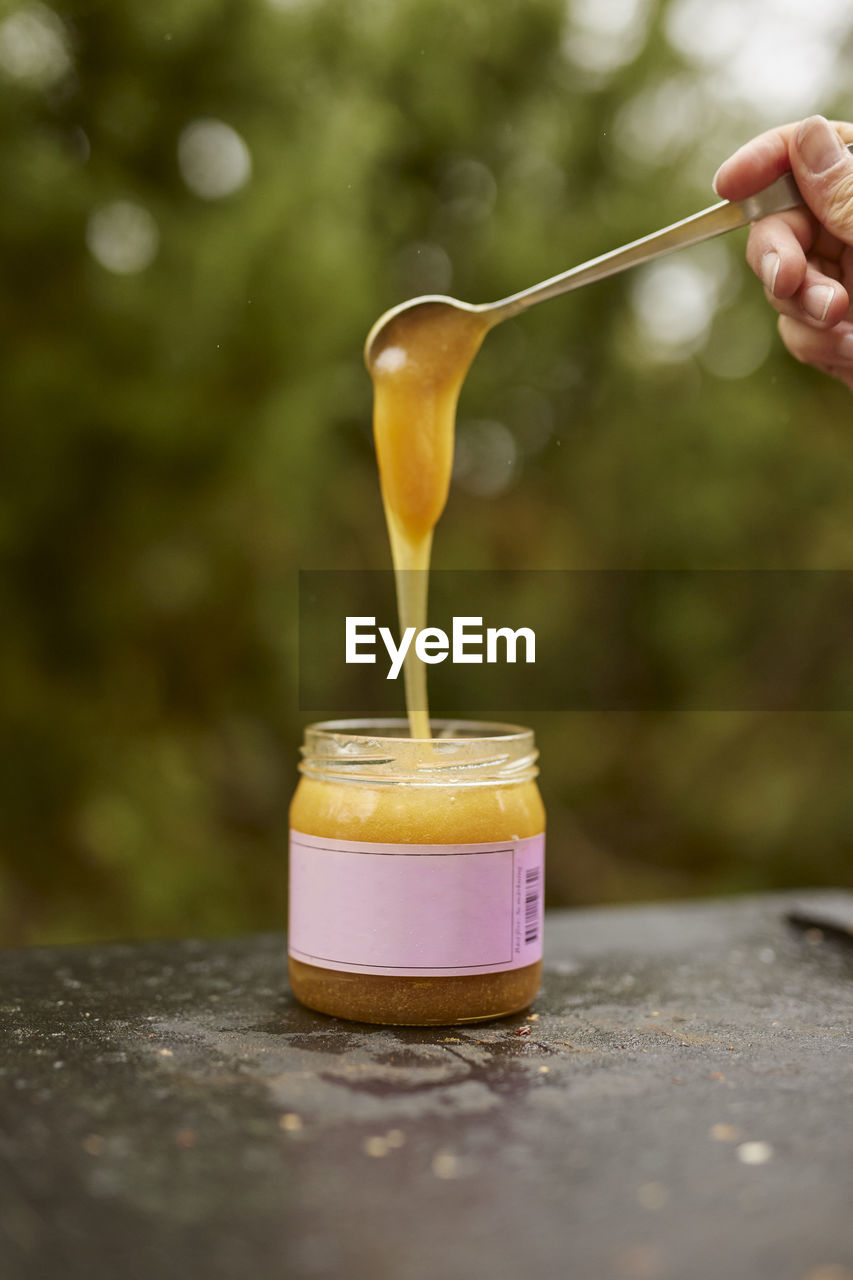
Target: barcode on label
531 905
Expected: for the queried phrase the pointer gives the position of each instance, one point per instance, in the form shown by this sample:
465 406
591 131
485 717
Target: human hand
804 257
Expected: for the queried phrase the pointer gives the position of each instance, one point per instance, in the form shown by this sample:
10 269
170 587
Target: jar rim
450 729
462 753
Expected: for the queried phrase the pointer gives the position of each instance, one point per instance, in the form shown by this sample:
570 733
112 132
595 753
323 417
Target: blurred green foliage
186 422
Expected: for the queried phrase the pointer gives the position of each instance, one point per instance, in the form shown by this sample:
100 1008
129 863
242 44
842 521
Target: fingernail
845 347
817 300
818 144
770 270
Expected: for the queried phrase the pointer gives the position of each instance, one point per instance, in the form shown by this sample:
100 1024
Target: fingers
797 284
831 351
765 158
755 165
791 253
804 258
776 251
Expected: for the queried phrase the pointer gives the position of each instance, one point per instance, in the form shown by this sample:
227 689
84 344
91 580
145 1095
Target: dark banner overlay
714 640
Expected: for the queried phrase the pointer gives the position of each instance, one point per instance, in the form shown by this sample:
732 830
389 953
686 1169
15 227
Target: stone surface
677 1105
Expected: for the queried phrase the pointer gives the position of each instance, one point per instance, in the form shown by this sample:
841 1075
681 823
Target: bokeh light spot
485 458
422 267
34 46
604 35
674 301
468 189
660 121
213 159
740 343
123 237
776 56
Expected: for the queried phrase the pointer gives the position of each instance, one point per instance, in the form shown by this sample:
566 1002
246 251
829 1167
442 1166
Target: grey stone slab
678 1105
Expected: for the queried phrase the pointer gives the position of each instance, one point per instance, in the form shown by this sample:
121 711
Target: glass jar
416 872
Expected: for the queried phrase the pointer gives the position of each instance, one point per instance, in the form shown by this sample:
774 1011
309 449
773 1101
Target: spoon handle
719 218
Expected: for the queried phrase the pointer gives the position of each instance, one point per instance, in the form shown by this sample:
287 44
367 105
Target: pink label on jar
416 910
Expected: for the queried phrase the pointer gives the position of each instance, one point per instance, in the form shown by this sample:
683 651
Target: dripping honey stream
418 365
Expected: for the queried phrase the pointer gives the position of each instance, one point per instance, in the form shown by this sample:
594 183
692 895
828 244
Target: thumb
823 168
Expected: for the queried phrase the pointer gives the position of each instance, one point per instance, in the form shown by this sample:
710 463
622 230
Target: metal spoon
719 218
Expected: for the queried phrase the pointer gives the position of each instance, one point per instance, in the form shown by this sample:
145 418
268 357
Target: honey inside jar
372 786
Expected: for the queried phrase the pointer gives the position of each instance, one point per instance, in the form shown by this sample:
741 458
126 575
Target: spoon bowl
391 331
